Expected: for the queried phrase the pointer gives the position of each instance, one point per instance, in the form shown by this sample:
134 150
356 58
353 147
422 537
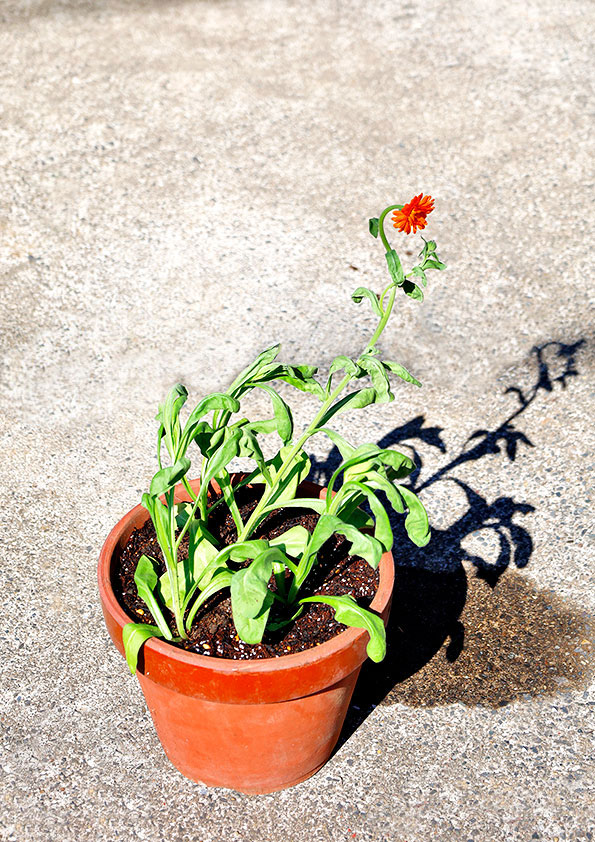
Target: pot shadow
487 639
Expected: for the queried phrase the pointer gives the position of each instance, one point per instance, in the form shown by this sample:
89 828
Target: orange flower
413 215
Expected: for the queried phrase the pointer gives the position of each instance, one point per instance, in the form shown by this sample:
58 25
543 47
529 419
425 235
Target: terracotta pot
254 726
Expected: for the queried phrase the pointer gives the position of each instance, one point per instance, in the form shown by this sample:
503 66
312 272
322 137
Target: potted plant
246 603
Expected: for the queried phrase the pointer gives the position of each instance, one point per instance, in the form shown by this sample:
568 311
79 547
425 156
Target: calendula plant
266 577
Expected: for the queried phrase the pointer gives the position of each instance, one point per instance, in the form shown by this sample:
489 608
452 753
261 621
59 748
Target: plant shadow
486 639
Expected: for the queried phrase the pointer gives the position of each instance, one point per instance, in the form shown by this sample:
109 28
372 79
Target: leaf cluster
265 577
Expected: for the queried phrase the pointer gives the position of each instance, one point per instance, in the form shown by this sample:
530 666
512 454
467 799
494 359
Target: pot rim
230 666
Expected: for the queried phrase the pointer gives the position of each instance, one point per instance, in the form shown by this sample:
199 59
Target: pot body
255 726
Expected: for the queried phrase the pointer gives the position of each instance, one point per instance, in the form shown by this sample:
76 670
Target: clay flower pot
255 726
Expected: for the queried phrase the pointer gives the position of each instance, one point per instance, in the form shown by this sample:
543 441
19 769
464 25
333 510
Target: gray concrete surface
182 183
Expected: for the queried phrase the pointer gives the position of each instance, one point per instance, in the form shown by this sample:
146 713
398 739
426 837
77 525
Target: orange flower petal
414 213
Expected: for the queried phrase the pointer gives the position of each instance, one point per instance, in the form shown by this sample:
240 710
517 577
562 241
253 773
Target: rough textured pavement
181 184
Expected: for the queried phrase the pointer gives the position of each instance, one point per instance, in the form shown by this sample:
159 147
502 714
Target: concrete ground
181 184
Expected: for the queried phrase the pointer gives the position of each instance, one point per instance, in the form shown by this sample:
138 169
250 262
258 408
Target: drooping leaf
348 612
363 545
417 270
373 225
133 637
168 417
263 359
166 478
283 416
355 400
382 527
434 264
266 426
400 371
343 363
394 267
379 378
343 446
416 522
302 378
367 457
412 290
221 457
363 292
377 480
145 579
214 402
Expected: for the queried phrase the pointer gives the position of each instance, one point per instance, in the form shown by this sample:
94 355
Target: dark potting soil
213 632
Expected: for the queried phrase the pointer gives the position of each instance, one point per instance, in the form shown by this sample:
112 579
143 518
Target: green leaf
401 465
298 471
266 426
301 377
348 612
394 267
201 554
434 264
166 478
355 400
369 456
382 527
416 522
264 358
249 586
314 503
343 363
345 449
417 270
412 290
160 517
429 247
145 579
218 582
165 591
379 378
168 417
375 479
221 457
400 371
362 545
293 541
363 292
215 402
133 637
374 226
283 417
242 550
251 629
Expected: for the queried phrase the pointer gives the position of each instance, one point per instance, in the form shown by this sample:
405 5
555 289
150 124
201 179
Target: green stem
173 569
383 320
311 429
387 210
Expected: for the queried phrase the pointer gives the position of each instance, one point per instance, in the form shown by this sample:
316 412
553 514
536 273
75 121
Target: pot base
251 748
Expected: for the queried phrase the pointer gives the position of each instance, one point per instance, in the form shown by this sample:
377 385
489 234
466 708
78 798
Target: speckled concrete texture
183 183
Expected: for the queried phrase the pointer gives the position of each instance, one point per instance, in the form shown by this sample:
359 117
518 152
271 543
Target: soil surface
213 631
